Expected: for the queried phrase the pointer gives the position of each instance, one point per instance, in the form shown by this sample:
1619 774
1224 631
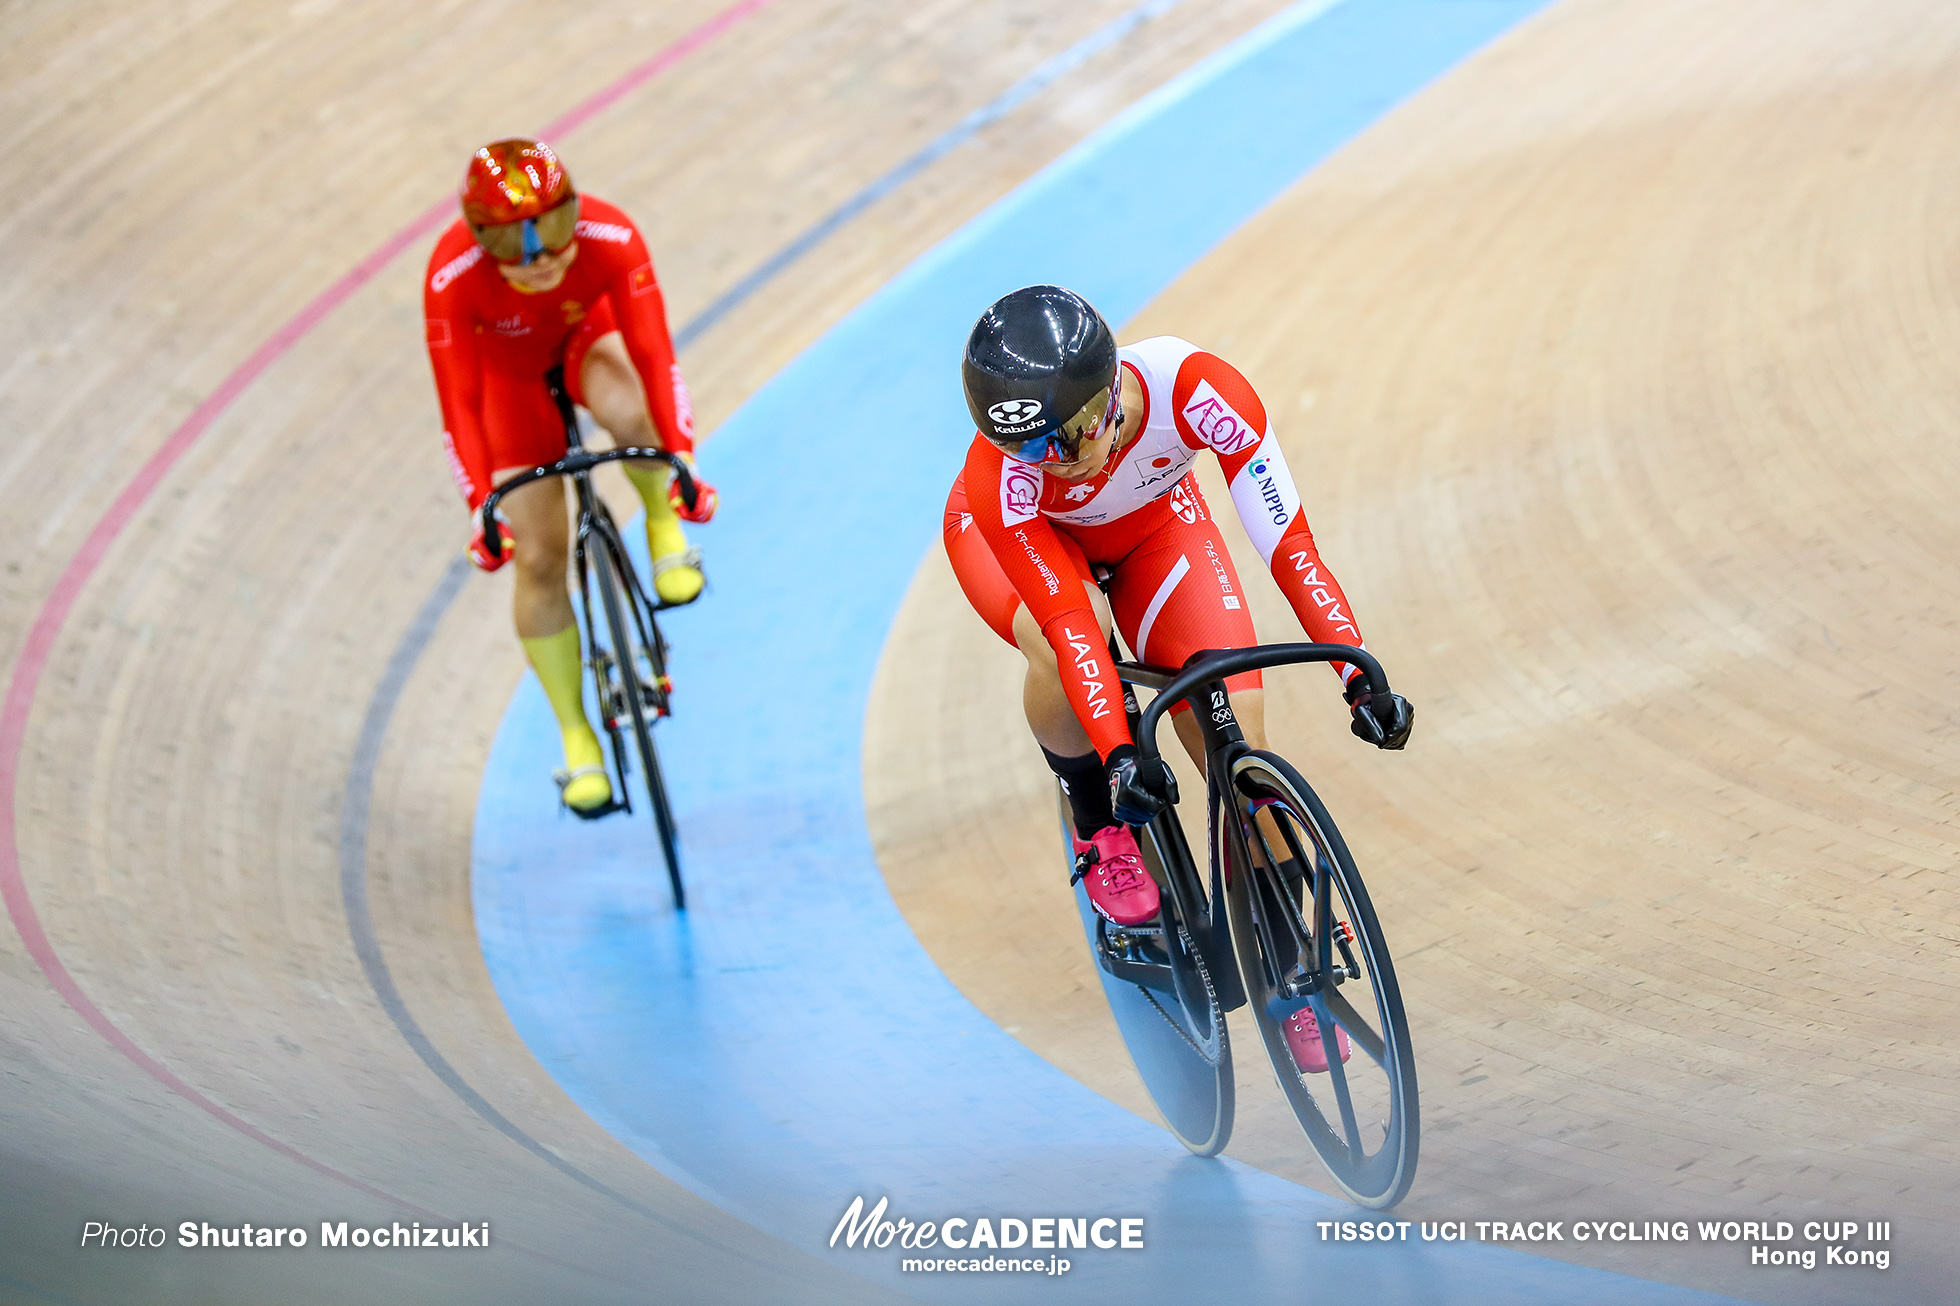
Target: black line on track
359 794
354 810
356 804
945 143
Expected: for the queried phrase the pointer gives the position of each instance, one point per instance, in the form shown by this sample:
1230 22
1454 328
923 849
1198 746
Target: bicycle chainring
1216 1052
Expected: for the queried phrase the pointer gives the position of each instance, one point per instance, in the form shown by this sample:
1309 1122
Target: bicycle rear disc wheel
1172 1022
624 626
1313 940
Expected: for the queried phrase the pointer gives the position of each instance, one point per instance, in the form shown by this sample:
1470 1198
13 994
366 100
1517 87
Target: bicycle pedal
563 778
595 813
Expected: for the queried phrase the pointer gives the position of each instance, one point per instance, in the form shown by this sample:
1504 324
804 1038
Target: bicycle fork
1312 946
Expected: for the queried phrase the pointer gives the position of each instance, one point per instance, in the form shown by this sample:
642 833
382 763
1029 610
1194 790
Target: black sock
1087 789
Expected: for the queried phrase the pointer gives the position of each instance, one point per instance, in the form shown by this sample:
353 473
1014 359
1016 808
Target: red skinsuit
1017 536
491 344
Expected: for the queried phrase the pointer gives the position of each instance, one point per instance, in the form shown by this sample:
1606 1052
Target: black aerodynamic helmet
1034 360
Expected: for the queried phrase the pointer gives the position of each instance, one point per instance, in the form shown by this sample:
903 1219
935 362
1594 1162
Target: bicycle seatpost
554 381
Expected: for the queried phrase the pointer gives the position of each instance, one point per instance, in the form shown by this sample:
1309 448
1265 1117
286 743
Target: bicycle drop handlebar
572 463
1216 664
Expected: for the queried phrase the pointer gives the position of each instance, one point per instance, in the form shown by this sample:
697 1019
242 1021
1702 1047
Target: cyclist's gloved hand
480 548
705 498
1379 719
1135 795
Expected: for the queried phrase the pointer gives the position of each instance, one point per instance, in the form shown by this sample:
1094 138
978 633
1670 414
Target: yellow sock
556 660
665 537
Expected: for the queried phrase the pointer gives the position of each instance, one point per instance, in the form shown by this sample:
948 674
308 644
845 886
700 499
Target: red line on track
26 678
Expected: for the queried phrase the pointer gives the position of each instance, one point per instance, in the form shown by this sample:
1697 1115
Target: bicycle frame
1204 677
614 667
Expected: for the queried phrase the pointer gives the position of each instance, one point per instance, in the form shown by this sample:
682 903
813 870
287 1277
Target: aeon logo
1217 423
1012 416
1020 493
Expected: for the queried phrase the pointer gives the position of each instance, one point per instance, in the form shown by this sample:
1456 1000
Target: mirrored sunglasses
529 238
1065 445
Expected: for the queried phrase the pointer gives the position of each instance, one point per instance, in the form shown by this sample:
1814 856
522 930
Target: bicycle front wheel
1307 938
640 686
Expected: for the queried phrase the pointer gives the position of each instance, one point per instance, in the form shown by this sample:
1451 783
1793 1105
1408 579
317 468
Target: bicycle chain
1211 1058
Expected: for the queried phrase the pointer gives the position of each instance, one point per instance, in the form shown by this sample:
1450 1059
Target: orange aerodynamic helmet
519 200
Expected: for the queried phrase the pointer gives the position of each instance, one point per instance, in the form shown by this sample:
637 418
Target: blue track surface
790 1045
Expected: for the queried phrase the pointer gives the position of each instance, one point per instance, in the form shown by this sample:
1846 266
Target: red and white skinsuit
491 344
1019 537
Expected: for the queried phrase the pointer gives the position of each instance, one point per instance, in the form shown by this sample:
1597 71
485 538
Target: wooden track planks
182 778
1617 373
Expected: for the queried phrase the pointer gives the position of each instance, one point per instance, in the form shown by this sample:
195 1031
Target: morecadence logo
874 1229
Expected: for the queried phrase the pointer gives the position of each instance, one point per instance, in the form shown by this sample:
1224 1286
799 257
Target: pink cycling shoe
1110 866
1303 1040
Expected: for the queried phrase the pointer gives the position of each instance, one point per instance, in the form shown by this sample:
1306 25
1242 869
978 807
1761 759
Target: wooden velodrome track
200 180
1616 371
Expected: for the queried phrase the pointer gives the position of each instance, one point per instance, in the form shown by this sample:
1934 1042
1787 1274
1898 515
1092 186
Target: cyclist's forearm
643 323
469 464
1268 504
1088 676
459 392
1316 597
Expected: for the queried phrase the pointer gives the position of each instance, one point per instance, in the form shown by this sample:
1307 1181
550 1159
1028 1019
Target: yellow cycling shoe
677 574
583 785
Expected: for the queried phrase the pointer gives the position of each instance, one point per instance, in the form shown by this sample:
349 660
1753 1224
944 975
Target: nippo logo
1010 413
1020 493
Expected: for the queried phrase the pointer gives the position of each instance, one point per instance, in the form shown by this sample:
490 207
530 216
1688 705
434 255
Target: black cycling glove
1379 719
1134 795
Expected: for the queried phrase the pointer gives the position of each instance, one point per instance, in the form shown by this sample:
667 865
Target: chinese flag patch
642 279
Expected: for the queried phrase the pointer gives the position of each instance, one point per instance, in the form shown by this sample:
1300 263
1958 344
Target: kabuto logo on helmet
1012 416
1035 356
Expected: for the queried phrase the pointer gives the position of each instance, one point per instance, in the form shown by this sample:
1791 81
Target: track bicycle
627 657
1278 920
